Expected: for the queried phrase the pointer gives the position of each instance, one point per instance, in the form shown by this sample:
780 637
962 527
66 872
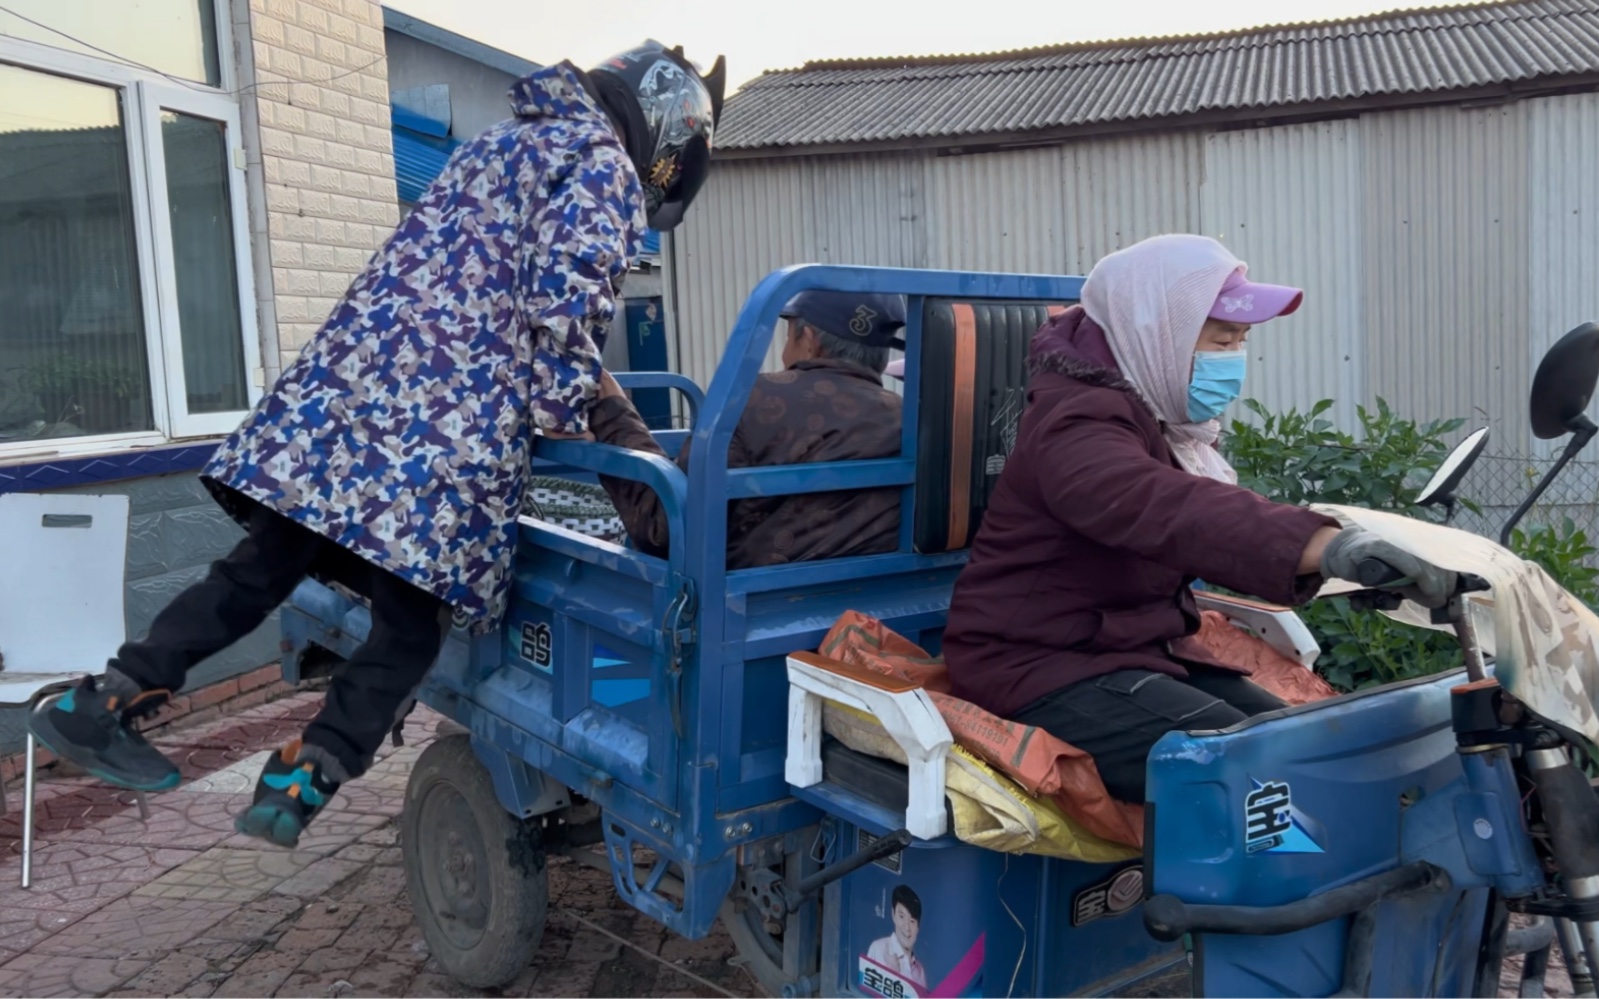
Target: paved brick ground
180 905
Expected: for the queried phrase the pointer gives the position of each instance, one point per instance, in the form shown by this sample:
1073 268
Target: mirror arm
1583 431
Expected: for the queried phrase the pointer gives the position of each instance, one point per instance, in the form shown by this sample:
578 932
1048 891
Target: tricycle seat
879 781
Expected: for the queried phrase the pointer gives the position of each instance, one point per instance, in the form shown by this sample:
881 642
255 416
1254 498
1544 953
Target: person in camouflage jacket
392 454
828 404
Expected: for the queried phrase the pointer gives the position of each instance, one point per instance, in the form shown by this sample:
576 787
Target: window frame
144 96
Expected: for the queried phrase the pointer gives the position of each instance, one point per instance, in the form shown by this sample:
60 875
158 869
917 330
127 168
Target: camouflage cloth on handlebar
1544 641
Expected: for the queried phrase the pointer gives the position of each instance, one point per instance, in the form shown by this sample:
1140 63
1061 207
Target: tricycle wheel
759 950
475 873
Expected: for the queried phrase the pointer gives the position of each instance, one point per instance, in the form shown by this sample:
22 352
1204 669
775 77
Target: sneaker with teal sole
92 727
288 795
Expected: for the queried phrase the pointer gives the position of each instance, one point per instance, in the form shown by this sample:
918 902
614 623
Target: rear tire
759 951
475 873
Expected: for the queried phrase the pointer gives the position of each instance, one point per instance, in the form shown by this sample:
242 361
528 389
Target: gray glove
1424 582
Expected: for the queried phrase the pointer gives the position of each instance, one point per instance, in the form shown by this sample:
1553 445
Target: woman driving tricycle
1075 611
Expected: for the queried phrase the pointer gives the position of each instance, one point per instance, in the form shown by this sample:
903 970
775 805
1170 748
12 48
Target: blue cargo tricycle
652 718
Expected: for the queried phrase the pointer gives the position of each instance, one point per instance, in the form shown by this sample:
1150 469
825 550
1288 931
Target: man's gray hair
874 359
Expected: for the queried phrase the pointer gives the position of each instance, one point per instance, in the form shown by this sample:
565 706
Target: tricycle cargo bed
656 687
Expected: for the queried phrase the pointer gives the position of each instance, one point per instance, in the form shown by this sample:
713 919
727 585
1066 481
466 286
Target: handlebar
1376 574
1169 918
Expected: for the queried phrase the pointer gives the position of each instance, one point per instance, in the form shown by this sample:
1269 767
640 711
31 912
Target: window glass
204 263
73 357
177 37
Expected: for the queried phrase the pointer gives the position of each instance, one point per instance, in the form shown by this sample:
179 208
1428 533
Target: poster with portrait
906 957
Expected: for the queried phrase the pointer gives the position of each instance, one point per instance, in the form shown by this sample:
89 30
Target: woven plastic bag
577 506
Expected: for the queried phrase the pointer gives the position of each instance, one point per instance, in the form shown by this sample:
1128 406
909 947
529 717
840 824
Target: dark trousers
366 693
1117 718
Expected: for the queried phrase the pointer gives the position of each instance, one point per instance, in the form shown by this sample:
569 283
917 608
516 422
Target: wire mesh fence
1498 483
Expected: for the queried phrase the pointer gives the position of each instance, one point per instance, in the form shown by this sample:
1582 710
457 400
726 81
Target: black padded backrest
974 384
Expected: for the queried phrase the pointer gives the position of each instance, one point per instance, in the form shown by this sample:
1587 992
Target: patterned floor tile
184 821
74 806
235 778
224 875
137 927
70 879
39 974
331 832
363 797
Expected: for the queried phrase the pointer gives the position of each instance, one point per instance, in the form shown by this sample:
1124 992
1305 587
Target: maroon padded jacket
1093 535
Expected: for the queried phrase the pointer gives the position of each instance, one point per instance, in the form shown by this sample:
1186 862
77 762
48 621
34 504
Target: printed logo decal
537 645
1273 825
1111 897
880 981
860 323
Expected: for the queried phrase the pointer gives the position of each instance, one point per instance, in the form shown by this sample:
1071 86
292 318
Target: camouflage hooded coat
402 432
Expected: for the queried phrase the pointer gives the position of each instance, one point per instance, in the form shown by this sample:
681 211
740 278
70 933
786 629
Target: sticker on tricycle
1113 896
537 645
892 967
1273 825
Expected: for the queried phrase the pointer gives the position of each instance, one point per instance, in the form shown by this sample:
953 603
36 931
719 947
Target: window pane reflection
170 36
72 336
202 248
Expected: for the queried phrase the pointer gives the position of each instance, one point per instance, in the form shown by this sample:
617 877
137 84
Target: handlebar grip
1375 572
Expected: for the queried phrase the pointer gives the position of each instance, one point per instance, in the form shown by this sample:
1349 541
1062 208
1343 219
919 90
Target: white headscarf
1151 300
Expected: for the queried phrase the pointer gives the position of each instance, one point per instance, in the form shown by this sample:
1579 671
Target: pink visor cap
1243 301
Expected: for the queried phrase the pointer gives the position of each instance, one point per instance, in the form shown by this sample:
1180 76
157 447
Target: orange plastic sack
1038 761
1266 666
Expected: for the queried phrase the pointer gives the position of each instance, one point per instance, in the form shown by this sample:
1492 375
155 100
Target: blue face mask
1218 380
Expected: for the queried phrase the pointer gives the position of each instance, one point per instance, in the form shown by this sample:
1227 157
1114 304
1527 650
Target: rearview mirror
1565 382
1560 393
1441 488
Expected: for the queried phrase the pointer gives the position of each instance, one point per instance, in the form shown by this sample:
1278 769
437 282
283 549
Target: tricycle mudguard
1286 806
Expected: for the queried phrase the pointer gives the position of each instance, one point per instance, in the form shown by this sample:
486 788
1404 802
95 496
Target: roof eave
449 41
1279 114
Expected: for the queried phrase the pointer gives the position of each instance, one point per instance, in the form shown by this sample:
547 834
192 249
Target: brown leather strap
960 431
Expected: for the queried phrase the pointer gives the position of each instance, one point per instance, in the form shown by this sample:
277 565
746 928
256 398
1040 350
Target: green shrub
1564 553
1300 458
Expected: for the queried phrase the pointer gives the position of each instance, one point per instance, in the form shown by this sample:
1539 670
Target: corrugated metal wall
1447 268
1563 222
1288 200
1442 249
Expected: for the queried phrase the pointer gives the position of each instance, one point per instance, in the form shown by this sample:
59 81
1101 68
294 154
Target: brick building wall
325 152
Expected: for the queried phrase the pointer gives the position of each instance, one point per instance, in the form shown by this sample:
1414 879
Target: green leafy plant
1296 457
1301 457
1565 554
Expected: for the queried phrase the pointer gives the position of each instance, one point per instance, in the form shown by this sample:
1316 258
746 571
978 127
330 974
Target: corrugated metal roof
418 159
1083 85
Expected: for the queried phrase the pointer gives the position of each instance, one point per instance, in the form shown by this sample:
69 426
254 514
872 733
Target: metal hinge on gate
680 635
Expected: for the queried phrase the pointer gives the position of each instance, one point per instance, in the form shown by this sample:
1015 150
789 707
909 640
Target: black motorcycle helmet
666 111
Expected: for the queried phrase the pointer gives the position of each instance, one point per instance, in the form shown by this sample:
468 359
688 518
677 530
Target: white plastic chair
62 563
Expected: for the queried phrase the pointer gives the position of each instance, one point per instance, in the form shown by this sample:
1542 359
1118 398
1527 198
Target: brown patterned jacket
817 410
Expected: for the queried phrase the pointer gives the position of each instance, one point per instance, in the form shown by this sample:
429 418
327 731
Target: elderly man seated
827 404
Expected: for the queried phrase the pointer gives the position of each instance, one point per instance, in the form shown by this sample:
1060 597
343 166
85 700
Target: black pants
1117 718
367 692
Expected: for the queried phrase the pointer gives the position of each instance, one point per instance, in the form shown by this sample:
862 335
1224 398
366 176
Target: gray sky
756 35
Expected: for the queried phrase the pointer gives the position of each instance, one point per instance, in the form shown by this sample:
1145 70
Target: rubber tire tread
520 903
